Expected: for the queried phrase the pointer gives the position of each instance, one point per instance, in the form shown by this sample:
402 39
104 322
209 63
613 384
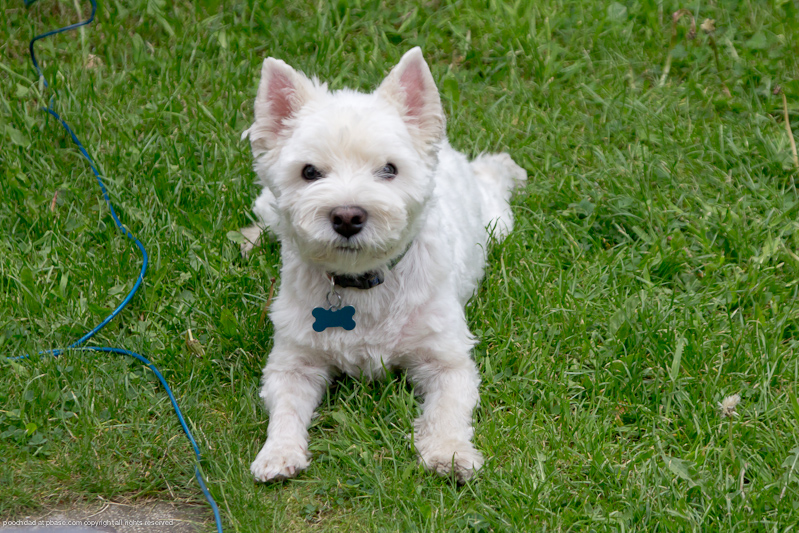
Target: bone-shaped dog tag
334 318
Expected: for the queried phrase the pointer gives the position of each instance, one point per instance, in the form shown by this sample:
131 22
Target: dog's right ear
281 93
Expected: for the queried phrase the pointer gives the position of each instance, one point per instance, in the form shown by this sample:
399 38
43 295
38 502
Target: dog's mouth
349 248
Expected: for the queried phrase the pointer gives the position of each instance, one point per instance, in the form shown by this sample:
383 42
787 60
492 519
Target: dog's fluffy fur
438 210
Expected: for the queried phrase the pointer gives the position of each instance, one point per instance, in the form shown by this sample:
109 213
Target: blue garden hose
78 345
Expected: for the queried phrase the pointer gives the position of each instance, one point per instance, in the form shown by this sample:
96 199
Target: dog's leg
266 216
292 388
444 431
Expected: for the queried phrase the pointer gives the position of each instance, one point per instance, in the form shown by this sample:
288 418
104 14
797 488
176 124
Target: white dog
383 230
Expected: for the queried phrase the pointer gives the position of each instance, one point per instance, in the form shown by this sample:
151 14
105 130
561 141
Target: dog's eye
311 173
388 172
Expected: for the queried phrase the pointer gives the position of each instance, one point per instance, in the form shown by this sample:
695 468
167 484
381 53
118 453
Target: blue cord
77 345
86 22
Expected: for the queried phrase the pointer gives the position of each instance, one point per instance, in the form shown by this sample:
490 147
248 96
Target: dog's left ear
411 88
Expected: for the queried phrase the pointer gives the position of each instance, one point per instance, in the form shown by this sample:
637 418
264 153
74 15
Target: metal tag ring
337 305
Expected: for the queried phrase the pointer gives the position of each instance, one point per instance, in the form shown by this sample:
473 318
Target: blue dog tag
334 318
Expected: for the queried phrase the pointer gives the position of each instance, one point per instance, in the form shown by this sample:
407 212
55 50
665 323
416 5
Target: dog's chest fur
421 297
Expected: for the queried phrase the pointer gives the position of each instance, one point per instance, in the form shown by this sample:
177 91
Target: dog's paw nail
459 460
279 463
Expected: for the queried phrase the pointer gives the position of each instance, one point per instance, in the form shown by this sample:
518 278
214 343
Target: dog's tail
498 175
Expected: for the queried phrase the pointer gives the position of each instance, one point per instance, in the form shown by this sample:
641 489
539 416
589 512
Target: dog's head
351 172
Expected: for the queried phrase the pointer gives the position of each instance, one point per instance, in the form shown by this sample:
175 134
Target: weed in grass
727 407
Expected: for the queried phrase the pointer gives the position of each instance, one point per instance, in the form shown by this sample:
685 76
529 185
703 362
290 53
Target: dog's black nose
348 220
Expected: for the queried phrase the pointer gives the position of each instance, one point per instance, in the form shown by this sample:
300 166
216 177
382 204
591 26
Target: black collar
367 280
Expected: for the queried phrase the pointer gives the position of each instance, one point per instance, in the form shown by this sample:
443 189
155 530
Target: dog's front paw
278 462
451 458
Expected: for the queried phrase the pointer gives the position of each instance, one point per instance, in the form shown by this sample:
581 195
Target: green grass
652 272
